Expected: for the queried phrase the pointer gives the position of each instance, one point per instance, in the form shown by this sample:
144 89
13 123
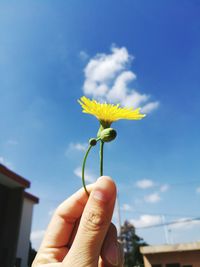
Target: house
16 209
177 255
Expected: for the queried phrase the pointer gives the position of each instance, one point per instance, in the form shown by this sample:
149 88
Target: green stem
101 158
83 169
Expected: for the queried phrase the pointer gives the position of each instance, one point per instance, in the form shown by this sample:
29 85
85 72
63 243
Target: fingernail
104 177
100 195
112 254
104 190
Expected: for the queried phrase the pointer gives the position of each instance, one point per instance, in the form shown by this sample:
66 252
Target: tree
132 244
32 254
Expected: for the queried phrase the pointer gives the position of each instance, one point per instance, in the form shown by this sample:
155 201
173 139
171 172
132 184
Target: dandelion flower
108 113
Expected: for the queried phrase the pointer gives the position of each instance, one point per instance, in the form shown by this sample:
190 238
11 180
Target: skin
80 233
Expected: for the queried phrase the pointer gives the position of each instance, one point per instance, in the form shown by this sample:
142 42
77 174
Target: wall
10 211
24 234
184 258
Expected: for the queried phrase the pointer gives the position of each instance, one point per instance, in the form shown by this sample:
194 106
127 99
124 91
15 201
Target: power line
165 214
189 220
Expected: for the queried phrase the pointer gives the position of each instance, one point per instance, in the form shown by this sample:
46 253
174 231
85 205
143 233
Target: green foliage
132 244
32 254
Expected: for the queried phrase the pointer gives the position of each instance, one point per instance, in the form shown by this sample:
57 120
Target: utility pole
171 236
118 214
165 230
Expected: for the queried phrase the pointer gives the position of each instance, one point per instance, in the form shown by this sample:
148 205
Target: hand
80 233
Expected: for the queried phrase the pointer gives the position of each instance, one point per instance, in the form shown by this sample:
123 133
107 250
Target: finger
63 221
94 224
101 263
73 233
49 265
106 262
111 252
54 245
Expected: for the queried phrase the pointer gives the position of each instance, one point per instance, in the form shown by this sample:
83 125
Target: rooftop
12 179
170 248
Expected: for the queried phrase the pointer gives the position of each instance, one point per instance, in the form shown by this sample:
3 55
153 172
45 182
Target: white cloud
83 55
107 78
144 183
184 223
198 190
81 147
146 220
51 212
5 162
2 160
38 234
126 207
36 238
164 188
150 107
147 183
152 198
89 176
12 142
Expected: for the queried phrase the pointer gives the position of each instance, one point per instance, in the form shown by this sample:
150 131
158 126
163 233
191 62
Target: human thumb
94 224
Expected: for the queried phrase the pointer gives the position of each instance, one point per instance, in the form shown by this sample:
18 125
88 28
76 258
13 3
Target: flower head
108 113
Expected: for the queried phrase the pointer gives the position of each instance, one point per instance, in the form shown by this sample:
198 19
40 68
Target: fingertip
104 189
108 181
105 177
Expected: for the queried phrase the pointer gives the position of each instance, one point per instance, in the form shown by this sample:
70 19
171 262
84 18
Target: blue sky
139 53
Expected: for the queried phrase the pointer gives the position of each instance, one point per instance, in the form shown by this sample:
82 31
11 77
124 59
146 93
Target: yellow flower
108 113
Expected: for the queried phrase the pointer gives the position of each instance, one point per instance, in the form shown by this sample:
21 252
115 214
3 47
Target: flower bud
108 134
93 142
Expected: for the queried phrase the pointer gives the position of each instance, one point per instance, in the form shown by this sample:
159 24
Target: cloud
152 198
51 212
126 207
164 188
83 55
108 78
73 147
38 234
150 107
147 183
146 220
144 183
89 176
198 190
12 142
184 223
36 238
5 162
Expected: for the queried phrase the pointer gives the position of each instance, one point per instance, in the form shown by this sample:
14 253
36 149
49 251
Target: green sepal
108 134
103 125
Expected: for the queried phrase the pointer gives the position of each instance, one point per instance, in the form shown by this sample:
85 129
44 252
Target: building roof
11 179
31 197
170 248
